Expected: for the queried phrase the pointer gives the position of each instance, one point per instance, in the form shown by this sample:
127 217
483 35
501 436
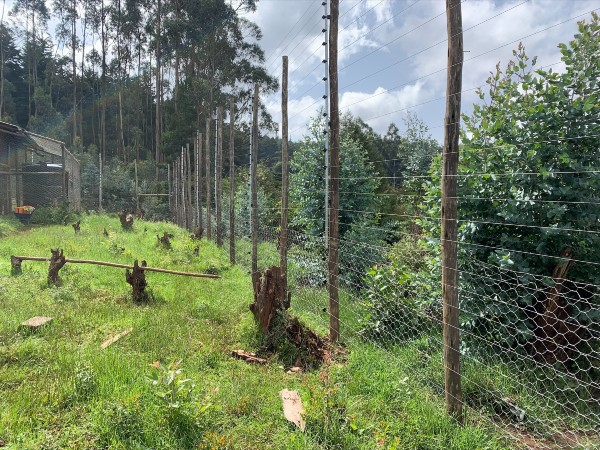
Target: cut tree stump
57 261
197 234
126 220
137 279
269 297
196 250
293 410
105 233
16 265
35 323
115 338
248 357
77 226
164 240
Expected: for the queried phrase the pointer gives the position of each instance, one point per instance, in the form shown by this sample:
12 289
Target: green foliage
307 185
402 296
53 215
529 192
170 385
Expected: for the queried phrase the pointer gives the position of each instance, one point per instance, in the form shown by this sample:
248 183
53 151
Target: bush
57 215
402 296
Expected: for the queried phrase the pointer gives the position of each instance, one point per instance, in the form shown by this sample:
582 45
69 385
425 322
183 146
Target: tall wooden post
183 199
196 183
218 177
334 184
100 182
283 237
169 187
137 193
207 179
176 188
190 212
232 180
254 180
200 188
451 324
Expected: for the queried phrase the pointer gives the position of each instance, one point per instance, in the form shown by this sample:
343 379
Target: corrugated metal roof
51 146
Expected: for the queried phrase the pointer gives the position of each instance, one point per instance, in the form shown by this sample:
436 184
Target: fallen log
120 266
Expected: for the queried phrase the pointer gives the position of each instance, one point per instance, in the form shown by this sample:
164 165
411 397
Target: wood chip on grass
293 410
115 338
248 357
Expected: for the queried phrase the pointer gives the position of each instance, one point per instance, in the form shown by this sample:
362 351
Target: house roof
32 140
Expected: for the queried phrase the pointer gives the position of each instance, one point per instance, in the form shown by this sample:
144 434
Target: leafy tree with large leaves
529 189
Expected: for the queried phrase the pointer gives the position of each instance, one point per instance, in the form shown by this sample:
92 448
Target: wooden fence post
218 177
334 168
451 324
200 186
232 181
189 203
207 180
283 237
254 180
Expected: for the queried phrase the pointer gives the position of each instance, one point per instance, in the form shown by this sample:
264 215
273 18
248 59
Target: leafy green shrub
9 224
402 297
56 215
170 385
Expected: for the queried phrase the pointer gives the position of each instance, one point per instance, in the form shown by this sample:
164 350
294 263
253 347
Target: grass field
59 390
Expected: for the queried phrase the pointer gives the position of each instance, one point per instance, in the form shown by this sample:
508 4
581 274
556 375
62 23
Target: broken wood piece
105 233
16 266
293 410
294 370
77 226
197 234
35 323
248 357
115 338
197 250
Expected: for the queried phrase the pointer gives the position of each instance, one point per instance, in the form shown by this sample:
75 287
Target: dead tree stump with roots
15 266
164 240
77 226
57 261
197 234
126 220
269 297
137 279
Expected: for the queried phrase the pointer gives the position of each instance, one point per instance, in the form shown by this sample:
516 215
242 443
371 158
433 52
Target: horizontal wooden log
121 266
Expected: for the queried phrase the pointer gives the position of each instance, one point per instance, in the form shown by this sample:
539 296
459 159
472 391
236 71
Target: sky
393 53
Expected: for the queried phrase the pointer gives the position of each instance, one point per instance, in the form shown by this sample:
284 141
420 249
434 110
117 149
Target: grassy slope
59 390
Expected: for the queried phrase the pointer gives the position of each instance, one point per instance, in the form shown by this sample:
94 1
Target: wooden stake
451 325
218 177
254 187
199 187
283 237
334 167
232 180
207 179
190 215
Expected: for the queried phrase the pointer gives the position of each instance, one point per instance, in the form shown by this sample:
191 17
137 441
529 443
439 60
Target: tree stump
77 226
137 279
197 250
164 240
269 297
105 233
197 234
126 220
16 266
57 261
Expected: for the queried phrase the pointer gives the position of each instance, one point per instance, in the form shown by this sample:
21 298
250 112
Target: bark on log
269 297
137 279
57 261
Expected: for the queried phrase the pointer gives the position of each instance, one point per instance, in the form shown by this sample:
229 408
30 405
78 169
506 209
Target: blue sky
394 52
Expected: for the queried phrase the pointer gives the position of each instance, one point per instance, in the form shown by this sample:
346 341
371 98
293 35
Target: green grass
58 389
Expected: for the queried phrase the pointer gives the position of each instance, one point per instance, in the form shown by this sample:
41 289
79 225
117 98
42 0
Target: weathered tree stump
269 297
164 240
197 250
77 226
137 279
126 220
197 234
57 261
105 233
141 213
16 266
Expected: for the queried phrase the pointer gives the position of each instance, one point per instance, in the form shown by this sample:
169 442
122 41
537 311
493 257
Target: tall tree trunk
73 44
158 89
2 65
